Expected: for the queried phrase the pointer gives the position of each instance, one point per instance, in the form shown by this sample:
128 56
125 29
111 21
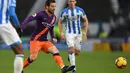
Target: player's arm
85 20
85 25
85 28
52 32
28 19
60 21
60 26
15 19
61 30
14 16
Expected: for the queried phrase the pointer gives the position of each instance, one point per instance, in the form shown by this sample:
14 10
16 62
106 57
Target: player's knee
17 49
33 57
53 50
72 50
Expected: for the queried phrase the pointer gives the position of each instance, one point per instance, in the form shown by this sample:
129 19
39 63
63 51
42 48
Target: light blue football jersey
73 19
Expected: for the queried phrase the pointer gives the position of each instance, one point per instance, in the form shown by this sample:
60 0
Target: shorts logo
35 49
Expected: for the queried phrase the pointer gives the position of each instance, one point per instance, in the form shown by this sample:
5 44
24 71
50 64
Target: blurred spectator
120 19
101 33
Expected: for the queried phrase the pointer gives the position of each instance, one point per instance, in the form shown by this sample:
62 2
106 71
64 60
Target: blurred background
109 23
108 33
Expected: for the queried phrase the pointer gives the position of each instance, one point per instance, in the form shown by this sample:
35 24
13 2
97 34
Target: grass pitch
87 62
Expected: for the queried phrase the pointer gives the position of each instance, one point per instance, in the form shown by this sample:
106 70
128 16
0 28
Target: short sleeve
62 17
83 15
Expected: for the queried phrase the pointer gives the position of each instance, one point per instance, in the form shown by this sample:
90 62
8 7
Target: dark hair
48 2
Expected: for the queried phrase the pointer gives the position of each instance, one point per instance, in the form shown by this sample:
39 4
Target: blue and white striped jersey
4 10
73 19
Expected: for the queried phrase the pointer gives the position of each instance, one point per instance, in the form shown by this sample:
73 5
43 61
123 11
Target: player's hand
19 31
62 36
84 36
54 40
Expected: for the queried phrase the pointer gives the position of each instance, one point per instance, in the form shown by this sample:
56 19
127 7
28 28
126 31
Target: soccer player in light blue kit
8 33
73 15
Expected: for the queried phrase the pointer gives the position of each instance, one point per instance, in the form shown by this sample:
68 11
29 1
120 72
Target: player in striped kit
73 15
8 33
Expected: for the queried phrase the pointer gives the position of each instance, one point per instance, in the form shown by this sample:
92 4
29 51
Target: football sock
72 58
27 61
58 60
18 63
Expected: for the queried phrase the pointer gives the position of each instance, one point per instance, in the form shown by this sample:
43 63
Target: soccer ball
121 62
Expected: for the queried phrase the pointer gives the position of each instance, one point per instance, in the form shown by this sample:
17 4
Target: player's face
71 3
51 8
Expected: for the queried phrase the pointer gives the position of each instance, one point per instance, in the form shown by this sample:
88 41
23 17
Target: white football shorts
9 35
74 40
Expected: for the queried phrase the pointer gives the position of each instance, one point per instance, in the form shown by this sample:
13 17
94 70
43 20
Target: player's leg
59 61
29 60
70 42
72 57
77 46
18 62
50 48
35 47
11 38
78 42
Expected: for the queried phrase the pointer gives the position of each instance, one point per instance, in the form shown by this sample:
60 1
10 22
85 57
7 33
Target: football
121 62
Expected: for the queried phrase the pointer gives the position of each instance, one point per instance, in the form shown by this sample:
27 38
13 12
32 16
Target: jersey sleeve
13 16
52 32
35 16
83 15
62 15
12 3
52 28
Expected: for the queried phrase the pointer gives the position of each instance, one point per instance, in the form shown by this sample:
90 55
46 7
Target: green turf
87 62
